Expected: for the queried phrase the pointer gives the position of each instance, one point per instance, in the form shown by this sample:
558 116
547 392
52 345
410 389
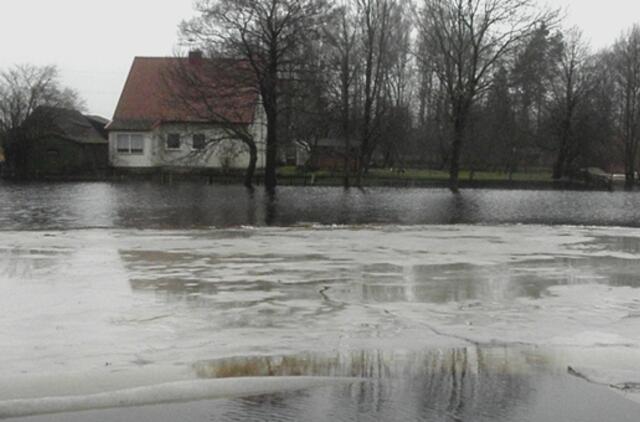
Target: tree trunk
629 166
559 166
270 180
345 121
270 98
456 150
251 168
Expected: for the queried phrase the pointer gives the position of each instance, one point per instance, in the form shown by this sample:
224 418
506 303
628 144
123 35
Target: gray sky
93 42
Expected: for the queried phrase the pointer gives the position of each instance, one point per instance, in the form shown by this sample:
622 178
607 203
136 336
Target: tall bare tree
342 38
626 65
571 84
218 91
375 18
466 39
269 35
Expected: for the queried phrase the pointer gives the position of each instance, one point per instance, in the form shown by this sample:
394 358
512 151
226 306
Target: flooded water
147 205
188 302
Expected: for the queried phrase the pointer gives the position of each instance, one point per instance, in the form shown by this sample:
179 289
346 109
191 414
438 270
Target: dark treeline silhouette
497 85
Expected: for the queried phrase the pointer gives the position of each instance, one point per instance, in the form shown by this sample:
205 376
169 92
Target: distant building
64 142
326 154
184 113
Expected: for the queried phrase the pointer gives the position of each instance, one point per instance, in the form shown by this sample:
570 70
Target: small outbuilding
327 154
65 143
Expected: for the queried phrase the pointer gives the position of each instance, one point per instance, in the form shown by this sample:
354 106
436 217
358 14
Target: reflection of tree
270 208
450 384
24 264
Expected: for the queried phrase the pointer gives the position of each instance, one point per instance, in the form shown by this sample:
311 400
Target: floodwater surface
193 302
186 206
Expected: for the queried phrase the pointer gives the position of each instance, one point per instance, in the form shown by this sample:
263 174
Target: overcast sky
93 42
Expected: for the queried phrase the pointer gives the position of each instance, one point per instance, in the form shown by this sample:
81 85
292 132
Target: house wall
221 151
146 159
53 156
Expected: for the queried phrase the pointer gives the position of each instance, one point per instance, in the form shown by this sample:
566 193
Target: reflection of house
186 113
326 153
64 142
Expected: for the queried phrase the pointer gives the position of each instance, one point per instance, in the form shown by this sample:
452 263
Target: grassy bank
419 177
291 176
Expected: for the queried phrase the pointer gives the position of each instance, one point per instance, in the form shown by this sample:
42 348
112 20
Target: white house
187 113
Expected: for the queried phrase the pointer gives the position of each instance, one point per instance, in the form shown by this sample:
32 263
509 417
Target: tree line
477 84
496 85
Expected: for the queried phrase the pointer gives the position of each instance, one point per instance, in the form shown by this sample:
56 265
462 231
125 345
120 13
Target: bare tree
221 92
570 87
342 39
376 23
466 39
266 33
626 65
530 77
23 88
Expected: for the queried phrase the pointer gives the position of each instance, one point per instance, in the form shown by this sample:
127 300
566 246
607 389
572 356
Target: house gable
183 98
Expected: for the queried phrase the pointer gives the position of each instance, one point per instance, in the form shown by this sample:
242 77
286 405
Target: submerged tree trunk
459 127
559 166
454 166
269 95
251 168
630 167
270 180
631 141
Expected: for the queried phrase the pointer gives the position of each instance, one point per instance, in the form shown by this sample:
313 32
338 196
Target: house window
137 144
198 142
130 143
173 141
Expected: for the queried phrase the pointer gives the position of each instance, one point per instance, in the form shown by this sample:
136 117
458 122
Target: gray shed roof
68 124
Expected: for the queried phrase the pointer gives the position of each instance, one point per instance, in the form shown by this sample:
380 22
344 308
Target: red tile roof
175 90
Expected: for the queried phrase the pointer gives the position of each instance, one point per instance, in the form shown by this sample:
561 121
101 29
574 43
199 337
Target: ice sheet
142 308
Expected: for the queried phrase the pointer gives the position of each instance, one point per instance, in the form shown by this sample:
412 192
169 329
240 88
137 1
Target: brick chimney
195 57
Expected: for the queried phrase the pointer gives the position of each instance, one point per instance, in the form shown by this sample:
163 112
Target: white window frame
166 142
129 149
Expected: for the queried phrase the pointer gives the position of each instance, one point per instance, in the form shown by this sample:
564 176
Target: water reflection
222 274
27 264
191 205
465 384
454 382
466 282
441 364
625 244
